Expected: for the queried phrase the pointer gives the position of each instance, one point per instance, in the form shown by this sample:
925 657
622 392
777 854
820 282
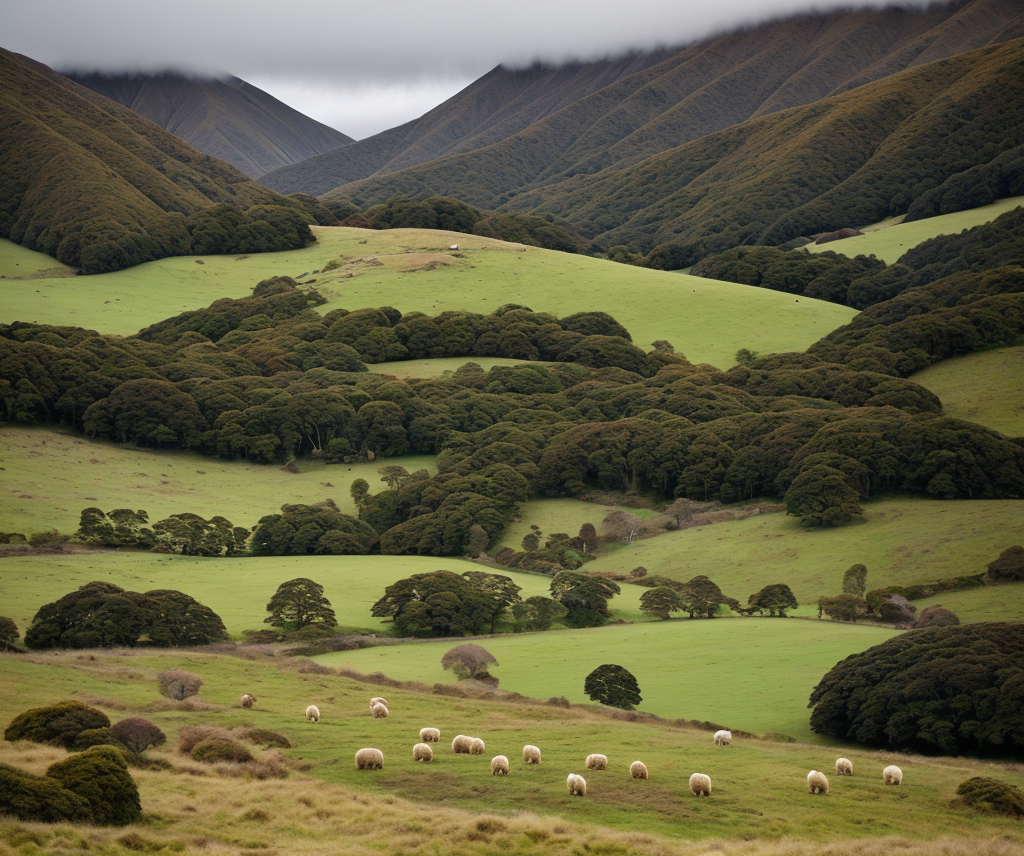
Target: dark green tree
100 775
499 589
822 496
178 619
585 598
468 661
299 603
855 580
537 613
660 601
8 632
701 596
843 607
39 798
774 599
614 686
439 603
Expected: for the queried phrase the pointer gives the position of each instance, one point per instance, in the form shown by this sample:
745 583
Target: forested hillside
844 160
228 118
100 188
546 124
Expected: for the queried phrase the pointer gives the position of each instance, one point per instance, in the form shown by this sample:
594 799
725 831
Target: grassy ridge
759 787
410 269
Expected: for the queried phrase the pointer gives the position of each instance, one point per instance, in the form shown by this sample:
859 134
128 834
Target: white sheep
817 783
499 765
892 775
313 713
597 762
379 711
369 759
248 700
422 752
723 738
700 785
844 767
378 700
531 754
476 746
577 785
461 744
638 770
430 735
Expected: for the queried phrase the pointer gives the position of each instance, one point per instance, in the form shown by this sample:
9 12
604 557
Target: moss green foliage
216 749
822 496
96 186
301 530
992 796
266 737
300 603
8 632
187 534
774 599
546 231
949 690
101 614
59 724
434 212
40 798
614 686
100 775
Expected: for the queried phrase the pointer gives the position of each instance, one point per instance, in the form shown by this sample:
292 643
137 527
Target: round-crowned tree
614 686
137 734
298 603
468 661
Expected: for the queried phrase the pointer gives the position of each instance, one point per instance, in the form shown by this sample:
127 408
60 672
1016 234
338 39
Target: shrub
93 737
8 633
992 796
101 777
936 616
468 661
38 798
58 724
266 737
221 749
137 734
179 684
1009 565
191 736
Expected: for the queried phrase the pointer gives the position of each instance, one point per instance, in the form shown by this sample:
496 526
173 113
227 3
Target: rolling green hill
226 118
98 187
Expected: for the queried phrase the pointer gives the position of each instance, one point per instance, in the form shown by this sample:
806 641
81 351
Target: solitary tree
179 684
137 734
855 580
614 686
468 661
298 603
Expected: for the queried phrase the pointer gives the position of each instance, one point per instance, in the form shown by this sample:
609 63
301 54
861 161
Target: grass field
706 320
985 387
238 589
48 477
890 239
453 805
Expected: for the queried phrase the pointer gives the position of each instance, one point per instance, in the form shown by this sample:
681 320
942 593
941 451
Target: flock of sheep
700 783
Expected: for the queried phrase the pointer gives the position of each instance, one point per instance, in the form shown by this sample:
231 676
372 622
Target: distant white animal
892 775
422 752
453 247
844 767
499 765
531 754
430 735
379 711
313 713
700 785
577 785
723 738
461 744
369 759
638 770
378 700
476 746
248 700
817 783
597 762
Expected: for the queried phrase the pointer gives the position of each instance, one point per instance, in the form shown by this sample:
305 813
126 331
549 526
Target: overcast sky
362 67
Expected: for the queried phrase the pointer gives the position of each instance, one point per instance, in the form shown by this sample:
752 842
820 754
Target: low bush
992 796
191 736
221 749
266 737
179 684
137 734
38 798
100 776
57 724
93 737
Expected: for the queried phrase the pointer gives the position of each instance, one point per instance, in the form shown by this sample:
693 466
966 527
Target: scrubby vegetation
58 724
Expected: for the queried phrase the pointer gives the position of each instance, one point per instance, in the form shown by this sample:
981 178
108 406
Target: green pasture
759 787
239 589
48 477
412 270
986 387
753 674
901 540
890 239
17 262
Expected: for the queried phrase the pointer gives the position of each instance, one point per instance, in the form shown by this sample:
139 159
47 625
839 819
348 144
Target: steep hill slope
552 123
227 118
93 183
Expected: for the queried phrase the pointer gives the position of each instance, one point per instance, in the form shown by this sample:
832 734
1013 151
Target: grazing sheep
892 775
422 752
369 759
844 767
378 700
597 762
723 738
700 785
476 746
430 735
379 711
499 765
817 783
531 754
461 744
577 785
248 700
313 713
638 770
